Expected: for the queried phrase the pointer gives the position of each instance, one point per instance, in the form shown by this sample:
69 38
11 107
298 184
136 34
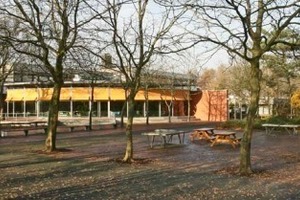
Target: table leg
214 141
179 138
164 140
151 141
231 141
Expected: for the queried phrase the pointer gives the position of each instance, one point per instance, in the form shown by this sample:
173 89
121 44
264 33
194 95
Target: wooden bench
290 128
113 123
24 129
202 134
86 127
72 127
226 138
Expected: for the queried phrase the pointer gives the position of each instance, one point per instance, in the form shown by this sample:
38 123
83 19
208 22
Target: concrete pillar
159 108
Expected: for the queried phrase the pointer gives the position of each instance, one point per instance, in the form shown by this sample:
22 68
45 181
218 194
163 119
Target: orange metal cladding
213 106
83 94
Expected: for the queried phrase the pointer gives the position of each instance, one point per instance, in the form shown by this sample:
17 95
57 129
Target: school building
28 97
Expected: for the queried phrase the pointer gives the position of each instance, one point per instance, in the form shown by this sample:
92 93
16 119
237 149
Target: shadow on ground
88 168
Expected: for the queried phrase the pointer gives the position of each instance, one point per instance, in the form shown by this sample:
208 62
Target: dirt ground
87 167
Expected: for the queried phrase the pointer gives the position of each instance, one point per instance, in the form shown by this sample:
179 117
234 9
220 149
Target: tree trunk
245 151
53 118
147 105
129 143
124 106
169 112
189 106
123 110
91 107
2 96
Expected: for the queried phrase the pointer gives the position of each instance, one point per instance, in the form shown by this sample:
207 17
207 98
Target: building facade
77 101
30 96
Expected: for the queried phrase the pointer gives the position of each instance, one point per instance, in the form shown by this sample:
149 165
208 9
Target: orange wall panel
211 105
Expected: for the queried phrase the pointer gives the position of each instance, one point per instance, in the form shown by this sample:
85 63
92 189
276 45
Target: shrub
239 124
282 120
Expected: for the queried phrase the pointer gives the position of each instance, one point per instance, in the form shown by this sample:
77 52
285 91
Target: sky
196 57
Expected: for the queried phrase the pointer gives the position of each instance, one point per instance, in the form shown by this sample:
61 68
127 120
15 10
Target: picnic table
202 134
226 137
290 128
166 136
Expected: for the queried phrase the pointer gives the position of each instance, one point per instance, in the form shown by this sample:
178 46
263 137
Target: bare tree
47 31
9 59
239 27
137 35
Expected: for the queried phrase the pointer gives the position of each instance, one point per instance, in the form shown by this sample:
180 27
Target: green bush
239 124
233 124
282 120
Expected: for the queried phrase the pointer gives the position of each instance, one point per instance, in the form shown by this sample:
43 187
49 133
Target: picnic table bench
227 138
166 136
290 128
203 134
215 137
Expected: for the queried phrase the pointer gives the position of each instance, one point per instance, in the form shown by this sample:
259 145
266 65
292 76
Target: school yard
87 167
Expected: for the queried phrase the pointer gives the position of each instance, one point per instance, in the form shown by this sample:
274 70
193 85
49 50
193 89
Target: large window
116 108
153 108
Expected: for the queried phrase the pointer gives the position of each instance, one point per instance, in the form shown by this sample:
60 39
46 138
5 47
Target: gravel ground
87 167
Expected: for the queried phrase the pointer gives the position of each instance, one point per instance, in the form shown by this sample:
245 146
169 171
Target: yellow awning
84 93
28 94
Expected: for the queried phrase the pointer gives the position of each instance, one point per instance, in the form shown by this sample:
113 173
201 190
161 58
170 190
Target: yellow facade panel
116 94
141 96
45 94
22 94
166 95
100 94
79 93
15 95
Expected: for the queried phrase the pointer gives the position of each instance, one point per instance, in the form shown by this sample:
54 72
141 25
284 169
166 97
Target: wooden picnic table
227 138
204 133
166 136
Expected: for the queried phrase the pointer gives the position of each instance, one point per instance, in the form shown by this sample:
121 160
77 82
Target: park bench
25 129
23 126
290 128
72 127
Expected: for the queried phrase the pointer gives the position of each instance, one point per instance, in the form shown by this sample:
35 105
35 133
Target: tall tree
47 32
137 35
237 26
9 59
282 71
